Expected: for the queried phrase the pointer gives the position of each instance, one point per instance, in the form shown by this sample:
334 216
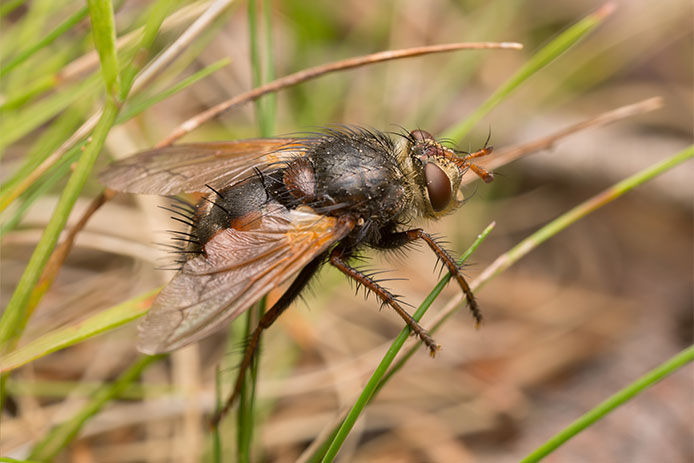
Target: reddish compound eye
421 135
438 186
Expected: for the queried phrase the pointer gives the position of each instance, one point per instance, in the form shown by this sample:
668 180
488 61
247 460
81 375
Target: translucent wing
189 168
239 266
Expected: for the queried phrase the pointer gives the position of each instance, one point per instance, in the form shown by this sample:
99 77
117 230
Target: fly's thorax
357 173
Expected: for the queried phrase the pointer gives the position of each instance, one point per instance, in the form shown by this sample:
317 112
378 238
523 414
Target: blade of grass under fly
542 58
374 383
624 395
245 414
218 403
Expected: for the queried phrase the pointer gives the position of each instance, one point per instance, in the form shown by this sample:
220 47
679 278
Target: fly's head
438 172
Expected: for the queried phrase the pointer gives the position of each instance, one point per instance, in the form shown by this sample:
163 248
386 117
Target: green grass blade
17 313
25 120
34 18
542 58
375 381
9 6
218 404
430 300
254 52
28 92
139 104
47 141
101 322
269 102
132 108
262 71
104 35
43 42
60 436
15 316
155 17
45 184
189 55
12 460
245 414
57 389
614 401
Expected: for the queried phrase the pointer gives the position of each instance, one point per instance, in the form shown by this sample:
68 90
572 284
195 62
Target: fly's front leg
337 258
396 239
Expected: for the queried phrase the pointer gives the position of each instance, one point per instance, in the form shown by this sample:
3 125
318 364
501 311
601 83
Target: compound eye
438 186
421 135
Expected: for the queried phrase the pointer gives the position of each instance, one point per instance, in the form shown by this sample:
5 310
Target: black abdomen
232 207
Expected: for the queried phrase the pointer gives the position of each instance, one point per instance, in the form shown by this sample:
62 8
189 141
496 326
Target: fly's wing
238 268
189 168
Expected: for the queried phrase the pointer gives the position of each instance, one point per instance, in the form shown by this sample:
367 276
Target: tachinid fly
278 208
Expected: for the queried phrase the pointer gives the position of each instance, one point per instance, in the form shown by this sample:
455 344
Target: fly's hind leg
397 239
337 258
265 322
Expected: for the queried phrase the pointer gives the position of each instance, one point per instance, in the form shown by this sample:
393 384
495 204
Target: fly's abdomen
232 207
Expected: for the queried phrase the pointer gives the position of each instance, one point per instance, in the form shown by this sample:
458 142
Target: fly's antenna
465 160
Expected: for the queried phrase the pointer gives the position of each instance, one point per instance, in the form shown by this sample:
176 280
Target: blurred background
582 316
